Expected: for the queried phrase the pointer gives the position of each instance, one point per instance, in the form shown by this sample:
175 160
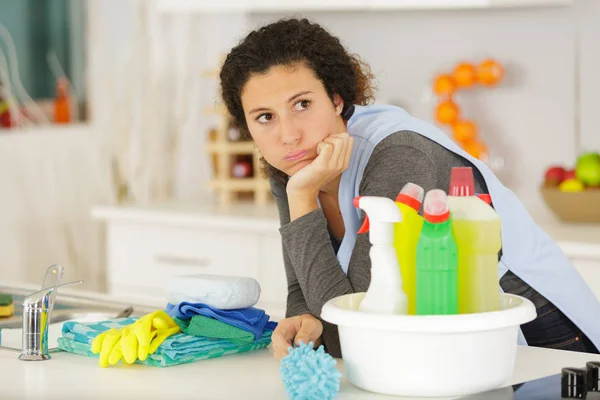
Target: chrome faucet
37 311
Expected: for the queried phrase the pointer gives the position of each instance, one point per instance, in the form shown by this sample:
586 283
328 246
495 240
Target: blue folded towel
177 349
249 319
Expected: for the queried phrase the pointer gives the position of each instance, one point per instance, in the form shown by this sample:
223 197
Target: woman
303 99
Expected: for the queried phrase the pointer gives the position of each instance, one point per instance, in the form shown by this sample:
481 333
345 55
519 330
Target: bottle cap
436 206
411 195
462 182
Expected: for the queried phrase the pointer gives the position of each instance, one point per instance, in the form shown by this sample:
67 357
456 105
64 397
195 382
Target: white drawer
145 256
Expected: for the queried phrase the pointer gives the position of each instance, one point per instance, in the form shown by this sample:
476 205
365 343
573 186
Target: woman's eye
264 118
301 105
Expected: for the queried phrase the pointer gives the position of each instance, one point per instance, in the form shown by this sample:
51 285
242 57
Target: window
41 43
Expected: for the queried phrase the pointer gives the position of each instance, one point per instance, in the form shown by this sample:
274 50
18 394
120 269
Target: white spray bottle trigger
382 212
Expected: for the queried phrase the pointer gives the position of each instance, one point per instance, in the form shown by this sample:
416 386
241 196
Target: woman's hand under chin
333 158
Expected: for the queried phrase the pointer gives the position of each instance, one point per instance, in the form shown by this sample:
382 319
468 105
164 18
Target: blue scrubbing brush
310 374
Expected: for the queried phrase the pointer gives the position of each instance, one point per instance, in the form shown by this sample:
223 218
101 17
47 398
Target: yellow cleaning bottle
406 237
477 231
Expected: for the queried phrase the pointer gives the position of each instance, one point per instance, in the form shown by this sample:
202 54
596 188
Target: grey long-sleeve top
313 272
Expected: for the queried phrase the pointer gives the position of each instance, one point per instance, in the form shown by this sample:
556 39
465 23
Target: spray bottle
385 294
437 259
406 237
477 230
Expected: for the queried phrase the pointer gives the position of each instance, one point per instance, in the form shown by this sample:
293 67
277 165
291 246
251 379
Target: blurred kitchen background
117 161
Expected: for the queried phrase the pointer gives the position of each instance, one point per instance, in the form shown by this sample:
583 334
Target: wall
541 101
589 76
546 100
533 104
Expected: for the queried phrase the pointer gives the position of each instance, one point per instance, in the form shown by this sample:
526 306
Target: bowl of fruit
573 194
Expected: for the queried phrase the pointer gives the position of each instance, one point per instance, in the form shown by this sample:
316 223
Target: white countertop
253 375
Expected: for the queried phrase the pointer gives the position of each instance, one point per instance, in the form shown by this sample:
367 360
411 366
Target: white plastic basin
428 356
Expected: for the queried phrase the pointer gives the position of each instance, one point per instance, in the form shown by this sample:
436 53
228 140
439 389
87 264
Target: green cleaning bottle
437 259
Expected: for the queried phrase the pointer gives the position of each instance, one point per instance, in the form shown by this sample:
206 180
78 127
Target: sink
66 308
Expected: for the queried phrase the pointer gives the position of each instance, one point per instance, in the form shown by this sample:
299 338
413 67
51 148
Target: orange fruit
474 148
447 112
464 131
489 72
465 75
444 85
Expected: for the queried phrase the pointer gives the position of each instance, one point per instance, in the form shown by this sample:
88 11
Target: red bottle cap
411 195
462 182
436 208
409 201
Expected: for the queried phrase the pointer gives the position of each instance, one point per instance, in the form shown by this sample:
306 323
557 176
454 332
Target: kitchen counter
253 375
250 375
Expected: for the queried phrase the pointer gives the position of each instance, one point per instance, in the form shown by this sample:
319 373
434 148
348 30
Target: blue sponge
310 374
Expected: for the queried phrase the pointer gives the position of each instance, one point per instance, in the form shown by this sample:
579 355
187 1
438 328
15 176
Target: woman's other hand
303 328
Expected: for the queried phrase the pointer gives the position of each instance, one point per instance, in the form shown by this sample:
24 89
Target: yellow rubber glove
129 345
106 344
143 332
151 330
134 341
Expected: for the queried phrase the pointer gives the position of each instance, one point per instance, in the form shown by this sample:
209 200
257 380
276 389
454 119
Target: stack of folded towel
216 316
218 307
180 348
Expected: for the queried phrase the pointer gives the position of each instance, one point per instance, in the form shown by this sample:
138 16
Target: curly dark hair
287 42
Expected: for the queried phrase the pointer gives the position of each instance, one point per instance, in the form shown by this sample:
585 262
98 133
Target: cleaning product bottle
385 294
477 231
437 259
406 237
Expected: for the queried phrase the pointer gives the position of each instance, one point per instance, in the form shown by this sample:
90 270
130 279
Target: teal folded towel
180 348
87 332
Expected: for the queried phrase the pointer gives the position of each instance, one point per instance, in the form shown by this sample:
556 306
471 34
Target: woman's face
288 113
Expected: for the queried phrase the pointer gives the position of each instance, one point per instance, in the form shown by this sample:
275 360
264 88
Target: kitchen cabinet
147 246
